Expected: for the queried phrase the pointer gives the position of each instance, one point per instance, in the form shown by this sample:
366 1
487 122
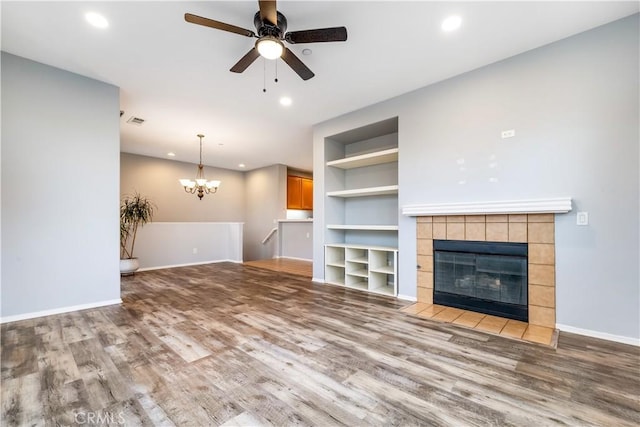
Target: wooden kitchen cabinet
307 194
299 193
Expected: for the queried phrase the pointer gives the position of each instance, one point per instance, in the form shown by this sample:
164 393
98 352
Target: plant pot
129 266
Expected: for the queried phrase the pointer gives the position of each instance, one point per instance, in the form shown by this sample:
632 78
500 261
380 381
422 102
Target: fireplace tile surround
537 230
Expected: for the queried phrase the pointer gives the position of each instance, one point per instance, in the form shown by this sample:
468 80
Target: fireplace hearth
486 277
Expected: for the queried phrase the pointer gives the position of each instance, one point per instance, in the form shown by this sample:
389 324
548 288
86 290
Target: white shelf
359 273
386 270
363 227
363 192
369 159
348 245
336 264
383 290
358 285
361 260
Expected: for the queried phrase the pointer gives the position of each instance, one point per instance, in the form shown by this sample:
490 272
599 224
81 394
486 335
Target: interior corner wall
60 185
575 110
157 179
266 203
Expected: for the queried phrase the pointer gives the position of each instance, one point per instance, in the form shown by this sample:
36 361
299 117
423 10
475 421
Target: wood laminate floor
227 344
285 265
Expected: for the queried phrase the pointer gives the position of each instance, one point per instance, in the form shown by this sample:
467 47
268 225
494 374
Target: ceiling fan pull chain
276 79
264 75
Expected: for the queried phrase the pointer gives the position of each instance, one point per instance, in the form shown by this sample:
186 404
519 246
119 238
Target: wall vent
135 120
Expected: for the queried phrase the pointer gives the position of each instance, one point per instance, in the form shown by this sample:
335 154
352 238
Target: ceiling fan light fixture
270 47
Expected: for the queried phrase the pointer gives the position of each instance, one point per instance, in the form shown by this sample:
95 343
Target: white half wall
60 189
170 244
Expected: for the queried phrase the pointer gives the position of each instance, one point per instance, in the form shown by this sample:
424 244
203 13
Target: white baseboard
407 297
316 280
601 335
189 264
33 315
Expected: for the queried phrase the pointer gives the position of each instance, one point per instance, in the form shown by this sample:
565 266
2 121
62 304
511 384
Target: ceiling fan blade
334 34
296 65
194 19
268 11
245 61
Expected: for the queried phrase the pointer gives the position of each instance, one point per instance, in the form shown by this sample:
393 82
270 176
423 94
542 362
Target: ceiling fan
271 26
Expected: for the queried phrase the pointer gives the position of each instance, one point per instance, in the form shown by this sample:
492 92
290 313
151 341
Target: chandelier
200 186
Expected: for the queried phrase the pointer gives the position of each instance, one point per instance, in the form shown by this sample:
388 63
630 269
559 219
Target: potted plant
135 211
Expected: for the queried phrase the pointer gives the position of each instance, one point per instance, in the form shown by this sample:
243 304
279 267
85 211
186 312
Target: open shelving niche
361 215
364 267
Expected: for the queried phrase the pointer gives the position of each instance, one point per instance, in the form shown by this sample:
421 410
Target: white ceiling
176 75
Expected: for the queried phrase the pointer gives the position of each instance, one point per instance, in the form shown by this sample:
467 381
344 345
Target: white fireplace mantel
533 206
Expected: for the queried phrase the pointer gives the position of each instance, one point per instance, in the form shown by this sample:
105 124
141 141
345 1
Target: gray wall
265 202
158 180
574 107
60 148
296 240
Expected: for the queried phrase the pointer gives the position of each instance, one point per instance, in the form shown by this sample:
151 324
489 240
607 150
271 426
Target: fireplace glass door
487 277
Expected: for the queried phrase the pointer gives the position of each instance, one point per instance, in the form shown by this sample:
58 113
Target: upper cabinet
307 193
299 193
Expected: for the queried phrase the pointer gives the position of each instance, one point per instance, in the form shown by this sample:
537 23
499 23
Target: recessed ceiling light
96 20
171 154
307 51
285 100
241 165
452 23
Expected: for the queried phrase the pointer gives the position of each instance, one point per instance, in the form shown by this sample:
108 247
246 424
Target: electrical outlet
195 251
307 235
582 218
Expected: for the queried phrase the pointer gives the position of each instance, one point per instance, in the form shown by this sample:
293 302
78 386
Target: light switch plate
510 133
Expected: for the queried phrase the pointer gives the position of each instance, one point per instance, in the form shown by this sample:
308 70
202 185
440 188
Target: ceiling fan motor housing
266 28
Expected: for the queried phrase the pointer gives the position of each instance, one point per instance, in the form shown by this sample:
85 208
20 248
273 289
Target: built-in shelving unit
361 208
367 268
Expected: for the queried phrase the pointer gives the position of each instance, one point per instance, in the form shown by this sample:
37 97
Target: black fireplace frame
495 308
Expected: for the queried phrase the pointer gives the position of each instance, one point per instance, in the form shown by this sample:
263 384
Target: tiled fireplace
536 230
